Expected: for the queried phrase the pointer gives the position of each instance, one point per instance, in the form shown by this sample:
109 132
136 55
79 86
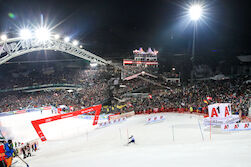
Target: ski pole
23 161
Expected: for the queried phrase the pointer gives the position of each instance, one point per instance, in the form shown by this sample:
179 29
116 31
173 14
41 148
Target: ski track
75 142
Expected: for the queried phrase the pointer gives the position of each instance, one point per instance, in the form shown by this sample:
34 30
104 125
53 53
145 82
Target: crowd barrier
160 110
117 116
184 110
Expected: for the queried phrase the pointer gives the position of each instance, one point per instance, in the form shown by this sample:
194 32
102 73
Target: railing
40 86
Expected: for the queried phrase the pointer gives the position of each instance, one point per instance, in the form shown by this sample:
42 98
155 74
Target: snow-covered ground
175 142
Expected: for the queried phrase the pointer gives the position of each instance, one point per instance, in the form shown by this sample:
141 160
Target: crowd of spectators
233 91
129 86
131 70
94 90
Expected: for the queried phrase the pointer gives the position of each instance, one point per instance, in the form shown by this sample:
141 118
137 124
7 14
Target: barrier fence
183 110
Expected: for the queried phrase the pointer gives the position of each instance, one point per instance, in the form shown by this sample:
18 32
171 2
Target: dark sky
115 27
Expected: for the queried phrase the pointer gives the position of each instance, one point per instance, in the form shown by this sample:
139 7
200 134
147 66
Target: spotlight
93 64
75 42
25 34
57 36
3 37
81 46
195 12
67 39
42 34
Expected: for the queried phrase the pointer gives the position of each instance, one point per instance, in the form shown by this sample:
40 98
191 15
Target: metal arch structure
15 47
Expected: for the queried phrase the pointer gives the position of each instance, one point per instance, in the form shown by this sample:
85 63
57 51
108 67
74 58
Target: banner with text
236 126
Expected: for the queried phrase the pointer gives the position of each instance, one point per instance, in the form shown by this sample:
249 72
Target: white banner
236 126
155 119
220 121
107 123
128 114
220 110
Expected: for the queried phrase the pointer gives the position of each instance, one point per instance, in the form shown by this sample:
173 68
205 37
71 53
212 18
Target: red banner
95 121
36 123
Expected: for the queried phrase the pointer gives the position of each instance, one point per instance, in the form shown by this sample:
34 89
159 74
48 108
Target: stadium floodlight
42 34
81 46
3 37
57 36
25 33
93 64
195 12
75 42
67 39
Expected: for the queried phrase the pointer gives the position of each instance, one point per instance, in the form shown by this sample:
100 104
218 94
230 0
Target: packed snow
176 142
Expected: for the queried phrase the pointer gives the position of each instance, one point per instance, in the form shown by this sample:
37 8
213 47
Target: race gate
36 123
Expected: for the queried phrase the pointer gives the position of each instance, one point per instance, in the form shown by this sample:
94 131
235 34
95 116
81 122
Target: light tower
195 13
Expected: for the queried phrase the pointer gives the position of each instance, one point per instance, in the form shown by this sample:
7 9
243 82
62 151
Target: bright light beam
42 34
75 42
67 39
25 34
57 36
195 12
3 37
93 64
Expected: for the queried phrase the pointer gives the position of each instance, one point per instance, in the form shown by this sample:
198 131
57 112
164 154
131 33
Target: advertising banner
220 113
220 121
128 114
46 108
95 121
107 123
20 111
155 119
91 117
236 126
220 110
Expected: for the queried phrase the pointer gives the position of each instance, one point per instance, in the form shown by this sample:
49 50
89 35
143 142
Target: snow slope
75 142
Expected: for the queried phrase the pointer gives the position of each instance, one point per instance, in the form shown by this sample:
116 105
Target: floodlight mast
195 13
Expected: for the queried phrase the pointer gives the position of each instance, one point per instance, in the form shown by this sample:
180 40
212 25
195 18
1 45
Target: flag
129 105
209 98
150 96
205 101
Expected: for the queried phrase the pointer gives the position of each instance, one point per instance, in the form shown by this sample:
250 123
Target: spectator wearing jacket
2 156
8 152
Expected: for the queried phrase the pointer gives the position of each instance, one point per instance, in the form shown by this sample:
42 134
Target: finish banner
36 123
95 120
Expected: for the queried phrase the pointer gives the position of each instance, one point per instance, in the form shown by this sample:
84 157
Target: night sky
113 28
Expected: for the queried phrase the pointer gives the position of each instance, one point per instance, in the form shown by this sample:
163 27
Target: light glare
195 12
93 64
3 37
25 34
42 34
75 42
67 39
57 36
